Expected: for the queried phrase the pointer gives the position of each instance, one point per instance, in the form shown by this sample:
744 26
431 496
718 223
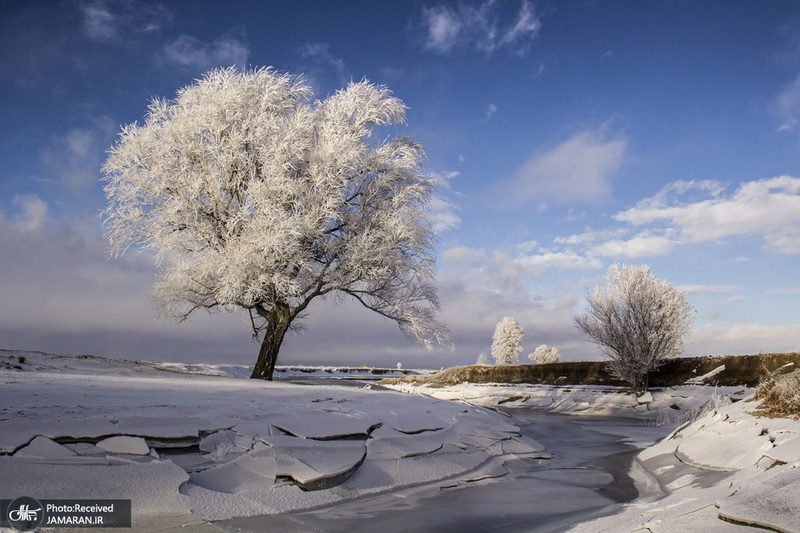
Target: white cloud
743 339
577 170
788 105
640 246
74 158
444 27
491 110
108 20
190 52
442 215
479 27
710 289
768 208
324 72
463 255
31 217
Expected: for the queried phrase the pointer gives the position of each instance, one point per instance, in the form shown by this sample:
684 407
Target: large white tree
637 320
506 341
253 197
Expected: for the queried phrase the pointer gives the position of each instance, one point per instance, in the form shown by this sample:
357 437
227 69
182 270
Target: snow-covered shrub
506 341
780 396
482 359
637 320
545 354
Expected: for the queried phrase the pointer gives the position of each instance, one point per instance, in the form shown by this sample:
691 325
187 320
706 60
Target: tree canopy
253 197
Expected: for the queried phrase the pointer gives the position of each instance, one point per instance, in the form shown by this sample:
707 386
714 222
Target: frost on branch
545 355
253 198
506 341
637 320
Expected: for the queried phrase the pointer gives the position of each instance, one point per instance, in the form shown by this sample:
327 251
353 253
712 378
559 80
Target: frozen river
586 477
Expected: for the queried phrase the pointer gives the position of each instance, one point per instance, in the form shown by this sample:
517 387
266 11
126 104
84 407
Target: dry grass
780 396
740 370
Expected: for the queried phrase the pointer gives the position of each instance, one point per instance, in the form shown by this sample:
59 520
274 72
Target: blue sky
564 135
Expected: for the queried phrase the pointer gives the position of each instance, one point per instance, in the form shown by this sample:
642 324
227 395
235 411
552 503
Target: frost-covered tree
637 320
482 359
545 355
506 341
255 198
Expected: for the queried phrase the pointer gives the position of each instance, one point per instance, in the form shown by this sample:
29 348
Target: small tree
482 359
258 200
637 321
506 341
545 355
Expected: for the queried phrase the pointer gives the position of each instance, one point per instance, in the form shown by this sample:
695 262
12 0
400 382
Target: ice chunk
46 448
724 446
769 503
316 464
787 452
325 425
125 444
212 442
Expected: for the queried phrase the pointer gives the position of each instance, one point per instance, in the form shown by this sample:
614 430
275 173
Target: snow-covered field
190 444
188 447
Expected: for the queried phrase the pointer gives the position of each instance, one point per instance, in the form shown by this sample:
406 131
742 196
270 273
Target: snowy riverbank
722 469
193 448
186 448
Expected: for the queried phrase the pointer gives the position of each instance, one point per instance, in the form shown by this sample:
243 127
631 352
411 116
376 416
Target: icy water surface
585 478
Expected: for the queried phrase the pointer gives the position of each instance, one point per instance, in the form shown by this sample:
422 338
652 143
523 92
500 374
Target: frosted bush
637 320
545 355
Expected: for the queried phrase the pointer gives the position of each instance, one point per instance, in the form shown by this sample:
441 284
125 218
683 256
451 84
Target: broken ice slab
522 446
315 464
769 503
212 442
43 447
405 446
325 425
724 446
124 444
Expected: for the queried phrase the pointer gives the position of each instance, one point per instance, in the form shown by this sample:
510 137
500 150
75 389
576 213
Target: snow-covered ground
191 447
190 444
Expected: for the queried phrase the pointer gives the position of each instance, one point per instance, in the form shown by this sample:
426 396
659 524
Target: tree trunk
268 354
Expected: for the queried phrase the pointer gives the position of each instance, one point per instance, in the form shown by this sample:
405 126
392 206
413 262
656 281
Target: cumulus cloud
639 246
577 170
479 27
769 208
190 52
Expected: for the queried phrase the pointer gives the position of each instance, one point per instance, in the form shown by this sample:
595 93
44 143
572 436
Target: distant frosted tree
482 359
507 341
637 320
255 199
545 354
